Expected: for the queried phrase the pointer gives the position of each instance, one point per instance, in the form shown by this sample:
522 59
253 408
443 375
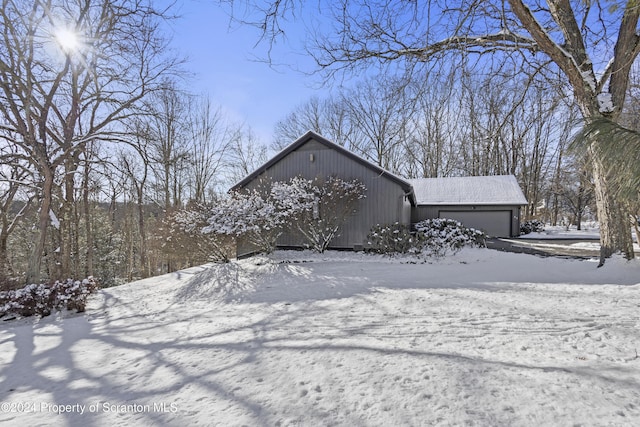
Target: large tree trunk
615 230
34 267
67 223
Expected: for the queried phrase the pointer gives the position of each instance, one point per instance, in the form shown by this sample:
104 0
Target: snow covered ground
481 338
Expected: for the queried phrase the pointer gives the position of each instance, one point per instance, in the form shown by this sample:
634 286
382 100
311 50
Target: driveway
564 248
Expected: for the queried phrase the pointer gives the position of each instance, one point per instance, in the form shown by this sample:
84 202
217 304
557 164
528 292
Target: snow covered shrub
27 301
534 225
73 294
257 215
440 235
393 238
186 236
42 299
319 207
315 208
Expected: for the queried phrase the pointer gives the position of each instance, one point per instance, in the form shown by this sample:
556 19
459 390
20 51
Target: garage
488 203
493 223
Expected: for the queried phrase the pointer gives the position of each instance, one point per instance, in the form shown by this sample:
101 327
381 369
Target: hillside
480 338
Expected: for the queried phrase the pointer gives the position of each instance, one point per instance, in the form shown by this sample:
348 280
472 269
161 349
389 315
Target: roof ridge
406 186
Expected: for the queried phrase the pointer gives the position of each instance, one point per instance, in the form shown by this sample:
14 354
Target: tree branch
505 40
625 52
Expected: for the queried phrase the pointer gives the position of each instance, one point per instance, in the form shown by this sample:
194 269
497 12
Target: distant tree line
99 142
461 124
113 217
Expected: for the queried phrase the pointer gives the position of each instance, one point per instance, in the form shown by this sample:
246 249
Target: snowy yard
482 338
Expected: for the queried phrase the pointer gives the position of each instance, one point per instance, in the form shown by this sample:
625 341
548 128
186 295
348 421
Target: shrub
393 238
320 207
432 237
534 225
42 299
185 236
255 216
440 235
315 208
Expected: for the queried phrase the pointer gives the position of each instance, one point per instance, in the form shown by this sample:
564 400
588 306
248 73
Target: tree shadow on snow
201 359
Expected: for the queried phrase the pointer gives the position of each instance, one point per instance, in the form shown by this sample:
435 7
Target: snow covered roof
468 190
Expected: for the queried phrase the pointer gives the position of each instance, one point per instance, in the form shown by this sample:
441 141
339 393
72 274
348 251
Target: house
493 203
389 198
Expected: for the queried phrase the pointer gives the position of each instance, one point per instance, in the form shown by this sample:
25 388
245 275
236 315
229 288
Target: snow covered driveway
482 338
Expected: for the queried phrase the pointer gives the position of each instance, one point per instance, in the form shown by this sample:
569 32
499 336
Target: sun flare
67 39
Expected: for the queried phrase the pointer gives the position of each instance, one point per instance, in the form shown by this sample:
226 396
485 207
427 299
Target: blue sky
223 60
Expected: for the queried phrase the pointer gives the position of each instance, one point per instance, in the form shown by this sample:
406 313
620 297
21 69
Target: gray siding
423 212
385 200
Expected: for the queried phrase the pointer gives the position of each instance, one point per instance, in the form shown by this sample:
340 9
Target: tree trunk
579 207
144 259
66 220
128 226
636 227
4 259
87 223
4 236
615 233
34 267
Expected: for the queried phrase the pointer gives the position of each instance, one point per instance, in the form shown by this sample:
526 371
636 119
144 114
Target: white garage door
494 223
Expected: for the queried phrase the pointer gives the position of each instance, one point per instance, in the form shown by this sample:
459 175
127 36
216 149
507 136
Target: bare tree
369 119
244 155
209 137
166 142
592 45
14 179
88 189
136 171
70 71
377 110
434 142
328 117
309 115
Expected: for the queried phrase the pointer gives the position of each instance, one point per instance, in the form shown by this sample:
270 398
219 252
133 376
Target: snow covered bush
42 299
441 235
319 207
73 294
186 236
315 208
534 225
393 238
258 216
432 237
